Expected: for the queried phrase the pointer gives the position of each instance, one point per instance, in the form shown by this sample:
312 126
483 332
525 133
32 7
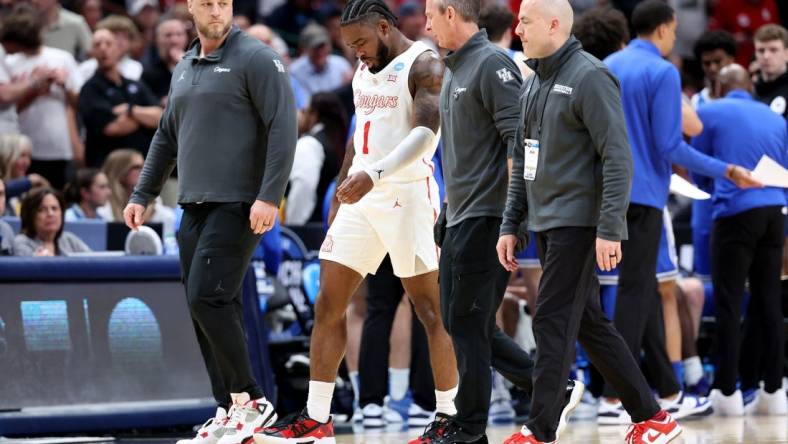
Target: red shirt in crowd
742 18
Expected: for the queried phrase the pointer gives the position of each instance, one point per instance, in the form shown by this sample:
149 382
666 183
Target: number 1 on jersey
365 149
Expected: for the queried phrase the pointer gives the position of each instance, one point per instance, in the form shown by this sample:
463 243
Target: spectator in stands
331 18
771 56
412 22
602 31
49 119
318 157
317 70
270 38
42 227
118 112
161 58
747 239
496 19
123 167
145 14
63 29
125 33
15 158
291 18
19 90
6 232
742 18
87 192
92 12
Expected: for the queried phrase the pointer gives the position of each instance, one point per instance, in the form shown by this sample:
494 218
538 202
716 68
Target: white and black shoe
573 396
687 406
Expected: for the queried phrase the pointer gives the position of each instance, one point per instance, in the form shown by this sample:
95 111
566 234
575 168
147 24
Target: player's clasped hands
354 187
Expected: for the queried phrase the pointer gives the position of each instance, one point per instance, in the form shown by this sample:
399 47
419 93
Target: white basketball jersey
384 113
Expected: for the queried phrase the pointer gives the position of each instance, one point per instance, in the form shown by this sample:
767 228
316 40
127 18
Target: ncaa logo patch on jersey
505 75
399 66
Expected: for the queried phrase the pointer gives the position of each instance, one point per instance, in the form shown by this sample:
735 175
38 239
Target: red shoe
433 431
524 436
297 429
661 429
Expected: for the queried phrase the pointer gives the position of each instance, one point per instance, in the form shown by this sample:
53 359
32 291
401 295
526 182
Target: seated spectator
63 29
92 12
125 33
87 192
123 168
15 152
42 227
161 58
48 119
317 70
318 157
118 112
6 232
771 62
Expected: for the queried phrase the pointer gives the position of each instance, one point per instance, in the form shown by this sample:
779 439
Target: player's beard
382 57
209 33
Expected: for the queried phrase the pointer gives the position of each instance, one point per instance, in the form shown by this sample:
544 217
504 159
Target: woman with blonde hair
16 152
122 168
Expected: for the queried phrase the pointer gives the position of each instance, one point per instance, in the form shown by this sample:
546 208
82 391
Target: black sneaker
454 433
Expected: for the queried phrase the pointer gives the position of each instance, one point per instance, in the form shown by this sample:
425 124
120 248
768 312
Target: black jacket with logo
774 94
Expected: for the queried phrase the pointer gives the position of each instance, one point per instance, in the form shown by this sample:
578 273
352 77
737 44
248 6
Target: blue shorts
529 258
667 260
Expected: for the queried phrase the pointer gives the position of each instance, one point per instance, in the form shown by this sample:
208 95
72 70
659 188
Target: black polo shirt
97 98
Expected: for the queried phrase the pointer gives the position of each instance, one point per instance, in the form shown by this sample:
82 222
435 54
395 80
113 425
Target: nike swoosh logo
652 436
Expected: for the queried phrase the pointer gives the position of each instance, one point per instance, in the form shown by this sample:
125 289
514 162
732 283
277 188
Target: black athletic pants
473 283
384 293
568 310
748 245
638 315
216 246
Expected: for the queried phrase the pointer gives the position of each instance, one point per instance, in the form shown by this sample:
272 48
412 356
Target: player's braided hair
372 10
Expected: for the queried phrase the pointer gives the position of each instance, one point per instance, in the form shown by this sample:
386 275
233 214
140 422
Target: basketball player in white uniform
388 205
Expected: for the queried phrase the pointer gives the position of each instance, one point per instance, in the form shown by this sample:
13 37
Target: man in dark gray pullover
231 125
479 117
571 178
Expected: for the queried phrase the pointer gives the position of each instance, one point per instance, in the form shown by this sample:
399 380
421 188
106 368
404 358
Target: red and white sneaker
211 431
661 429
245 416
524 436
298 428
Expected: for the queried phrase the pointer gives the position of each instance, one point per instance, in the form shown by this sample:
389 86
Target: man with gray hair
570 180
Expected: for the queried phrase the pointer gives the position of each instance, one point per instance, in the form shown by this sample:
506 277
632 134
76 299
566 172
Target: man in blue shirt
651 96
747 238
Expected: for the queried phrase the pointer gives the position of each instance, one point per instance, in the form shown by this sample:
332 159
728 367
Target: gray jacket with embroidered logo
479 118
230 123
584 170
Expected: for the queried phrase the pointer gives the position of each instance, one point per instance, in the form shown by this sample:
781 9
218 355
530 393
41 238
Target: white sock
318 402
355 381
444 401
399 381
693 370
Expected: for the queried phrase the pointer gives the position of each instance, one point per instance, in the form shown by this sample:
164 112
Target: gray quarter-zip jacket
479 117
231 124
584 169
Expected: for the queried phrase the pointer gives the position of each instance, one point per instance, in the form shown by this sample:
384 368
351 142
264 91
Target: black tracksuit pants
748 245
568 310
216 246
384 293
472 284
638 315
